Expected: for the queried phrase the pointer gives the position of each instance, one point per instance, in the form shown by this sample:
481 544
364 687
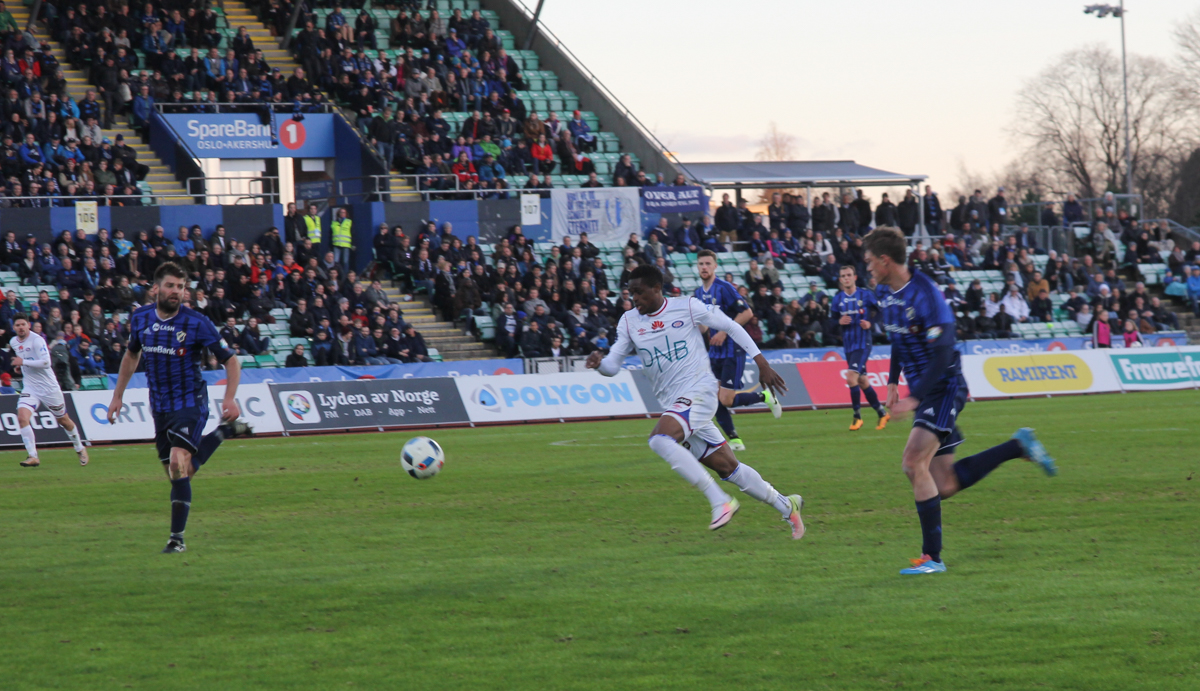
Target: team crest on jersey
677 324
180 336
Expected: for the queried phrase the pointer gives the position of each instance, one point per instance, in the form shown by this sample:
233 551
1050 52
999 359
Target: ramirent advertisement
45 427
1038 374
368 403
550 396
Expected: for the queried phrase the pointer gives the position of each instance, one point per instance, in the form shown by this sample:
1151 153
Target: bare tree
775 145
1187 60
1071 117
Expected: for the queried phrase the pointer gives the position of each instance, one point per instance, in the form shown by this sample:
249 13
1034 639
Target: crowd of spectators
52 149
567 301
98 279
455 63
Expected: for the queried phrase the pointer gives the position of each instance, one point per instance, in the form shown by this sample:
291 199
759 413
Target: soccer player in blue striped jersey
853 309
920 325
727 359
172 339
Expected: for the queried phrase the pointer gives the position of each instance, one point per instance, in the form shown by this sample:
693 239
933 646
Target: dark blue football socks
725 420
856 399
749 398
872 399
972 469
181 503
930 513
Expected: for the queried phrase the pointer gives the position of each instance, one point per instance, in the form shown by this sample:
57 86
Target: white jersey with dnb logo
671 346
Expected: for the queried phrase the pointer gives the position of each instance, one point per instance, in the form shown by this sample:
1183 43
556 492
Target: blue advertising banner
242 135
460 368
671 200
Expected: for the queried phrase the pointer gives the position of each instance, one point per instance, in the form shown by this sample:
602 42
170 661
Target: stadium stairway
160 179
237 15
450 342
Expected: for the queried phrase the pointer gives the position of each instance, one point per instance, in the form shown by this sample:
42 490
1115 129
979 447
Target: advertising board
550 396
367 403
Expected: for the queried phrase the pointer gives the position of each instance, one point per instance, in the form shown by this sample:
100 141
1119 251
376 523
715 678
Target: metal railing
268 189
1190 235
243 108
100 199
381 188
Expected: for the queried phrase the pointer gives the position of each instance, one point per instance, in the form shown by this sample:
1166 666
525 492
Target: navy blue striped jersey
725 297
916 318
859 306
172 350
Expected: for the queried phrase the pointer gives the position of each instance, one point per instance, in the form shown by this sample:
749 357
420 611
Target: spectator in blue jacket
455 45
685 239
364 348
30 152
758 246
70 278
490 170
251 340
48 265
581 133
143 107
183 244
1193 290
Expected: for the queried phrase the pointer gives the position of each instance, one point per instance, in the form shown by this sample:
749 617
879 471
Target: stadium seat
265 360
247 362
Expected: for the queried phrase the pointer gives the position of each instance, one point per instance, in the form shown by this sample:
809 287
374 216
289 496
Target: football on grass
422 457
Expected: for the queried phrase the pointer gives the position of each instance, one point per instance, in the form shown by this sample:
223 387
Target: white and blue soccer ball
422 457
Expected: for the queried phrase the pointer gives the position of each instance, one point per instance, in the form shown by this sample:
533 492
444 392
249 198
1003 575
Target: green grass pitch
567 556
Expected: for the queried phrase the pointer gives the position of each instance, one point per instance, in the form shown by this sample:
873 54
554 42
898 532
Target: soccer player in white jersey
666 334
39 386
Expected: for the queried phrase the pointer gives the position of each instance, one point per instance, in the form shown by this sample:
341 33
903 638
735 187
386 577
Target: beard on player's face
168 303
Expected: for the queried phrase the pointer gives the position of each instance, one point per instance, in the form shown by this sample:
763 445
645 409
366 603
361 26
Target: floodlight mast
1118 11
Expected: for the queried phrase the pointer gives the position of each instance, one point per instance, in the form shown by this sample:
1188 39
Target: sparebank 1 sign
243 135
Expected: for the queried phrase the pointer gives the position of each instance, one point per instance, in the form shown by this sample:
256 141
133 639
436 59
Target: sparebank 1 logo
616 210
486 398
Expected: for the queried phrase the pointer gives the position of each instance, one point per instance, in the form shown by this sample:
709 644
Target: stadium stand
1000 282
45 89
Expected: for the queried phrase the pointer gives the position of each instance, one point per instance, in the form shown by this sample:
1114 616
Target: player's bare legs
666 441
918 455
24 415
726 464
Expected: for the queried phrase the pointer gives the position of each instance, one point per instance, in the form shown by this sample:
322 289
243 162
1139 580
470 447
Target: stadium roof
784 174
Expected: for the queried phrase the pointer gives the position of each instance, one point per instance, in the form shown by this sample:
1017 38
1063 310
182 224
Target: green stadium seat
247 362
435 355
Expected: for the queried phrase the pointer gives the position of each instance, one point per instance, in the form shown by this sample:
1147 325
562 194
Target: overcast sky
910 87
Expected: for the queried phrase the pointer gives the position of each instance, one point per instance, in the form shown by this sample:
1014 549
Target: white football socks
749 481
30 441
73 435
683 462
